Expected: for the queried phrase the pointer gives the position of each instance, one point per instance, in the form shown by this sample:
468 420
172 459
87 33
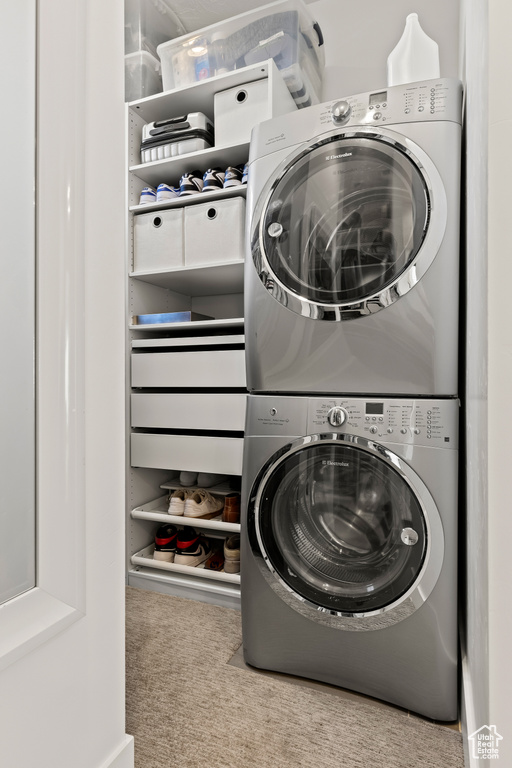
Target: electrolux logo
335 463
337 157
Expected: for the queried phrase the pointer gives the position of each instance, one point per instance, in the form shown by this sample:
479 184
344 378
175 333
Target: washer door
345 226
342 526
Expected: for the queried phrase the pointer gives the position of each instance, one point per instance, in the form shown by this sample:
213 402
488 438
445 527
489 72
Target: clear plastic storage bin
147 23
141 75
282 31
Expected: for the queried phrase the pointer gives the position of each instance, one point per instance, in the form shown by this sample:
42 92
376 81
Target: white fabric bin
158 240
214 232
238 110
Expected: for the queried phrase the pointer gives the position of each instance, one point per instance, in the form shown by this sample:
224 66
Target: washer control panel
418 422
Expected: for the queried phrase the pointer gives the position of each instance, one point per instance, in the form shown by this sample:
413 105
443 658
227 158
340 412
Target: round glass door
345 220
341 527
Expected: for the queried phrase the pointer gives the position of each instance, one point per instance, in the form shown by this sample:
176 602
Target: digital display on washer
378 98
375 409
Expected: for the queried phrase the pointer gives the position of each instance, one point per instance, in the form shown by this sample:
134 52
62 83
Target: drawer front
203 412
189 452
215 368
214 232
158 240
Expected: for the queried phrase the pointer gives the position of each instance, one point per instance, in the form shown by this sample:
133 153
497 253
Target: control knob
340 112
336 416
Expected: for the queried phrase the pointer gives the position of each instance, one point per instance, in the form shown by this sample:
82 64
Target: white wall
475 643
360 36
62 703
500 375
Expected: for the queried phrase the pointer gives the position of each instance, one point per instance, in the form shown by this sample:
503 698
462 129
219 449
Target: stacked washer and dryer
349 527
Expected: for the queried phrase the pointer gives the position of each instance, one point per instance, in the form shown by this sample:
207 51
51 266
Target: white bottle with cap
415 57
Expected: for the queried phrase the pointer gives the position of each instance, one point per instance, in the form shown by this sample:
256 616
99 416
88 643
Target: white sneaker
177 501
207 479
202 504
188 478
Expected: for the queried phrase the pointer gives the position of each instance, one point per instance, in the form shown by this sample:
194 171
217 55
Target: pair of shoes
201 479
162 194
200 503
232 554
182 547
231 511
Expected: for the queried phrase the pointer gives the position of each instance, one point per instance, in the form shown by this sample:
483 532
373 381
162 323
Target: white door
61 621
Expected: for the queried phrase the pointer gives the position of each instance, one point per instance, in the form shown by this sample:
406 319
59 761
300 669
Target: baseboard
468 720
123 757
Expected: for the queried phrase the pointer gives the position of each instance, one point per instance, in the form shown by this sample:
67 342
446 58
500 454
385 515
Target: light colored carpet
188 707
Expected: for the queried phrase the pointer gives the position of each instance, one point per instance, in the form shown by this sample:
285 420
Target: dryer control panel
419 422
412 102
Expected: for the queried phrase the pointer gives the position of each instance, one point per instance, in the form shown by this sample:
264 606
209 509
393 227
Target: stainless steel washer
352 273
349 545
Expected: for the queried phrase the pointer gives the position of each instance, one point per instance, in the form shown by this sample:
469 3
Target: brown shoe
216 561
231 511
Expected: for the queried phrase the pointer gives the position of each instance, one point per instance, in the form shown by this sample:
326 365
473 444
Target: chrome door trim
397 288
391 614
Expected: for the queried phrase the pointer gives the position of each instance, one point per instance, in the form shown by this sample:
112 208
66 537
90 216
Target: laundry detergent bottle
415 57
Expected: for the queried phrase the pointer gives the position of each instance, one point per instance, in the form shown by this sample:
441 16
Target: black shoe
165 543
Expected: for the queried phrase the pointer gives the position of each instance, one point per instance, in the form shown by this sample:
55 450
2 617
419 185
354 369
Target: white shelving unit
214 290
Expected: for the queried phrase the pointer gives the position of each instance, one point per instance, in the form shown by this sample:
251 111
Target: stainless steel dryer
349 545
352 274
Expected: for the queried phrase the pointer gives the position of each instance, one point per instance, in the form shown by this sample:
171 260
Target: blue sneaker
148 195
245 174
165 192
191 183
213 180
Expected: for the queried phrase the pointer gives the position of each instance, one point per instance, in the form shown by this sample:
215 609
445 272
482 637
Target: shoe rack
186 381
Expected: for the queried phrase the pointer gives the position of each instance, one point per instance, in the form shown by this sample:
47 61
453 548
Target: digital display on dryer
375 409
378 98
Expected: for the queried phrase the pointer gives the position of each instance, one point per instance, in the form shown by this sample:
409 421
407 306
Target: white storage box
158 240
282 31
194 453
179 370
214 232
238 110
141 75
189 411
147 23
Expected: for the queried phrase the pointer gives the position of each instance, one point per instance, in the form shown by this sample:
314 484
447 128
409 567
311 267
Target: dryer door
344 527
346 225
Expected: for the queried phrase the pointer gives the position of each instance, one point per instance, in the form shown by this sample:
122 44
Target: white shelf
145 559
223 489
171 170
230 322
198 96
201 197
201 280
156 511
